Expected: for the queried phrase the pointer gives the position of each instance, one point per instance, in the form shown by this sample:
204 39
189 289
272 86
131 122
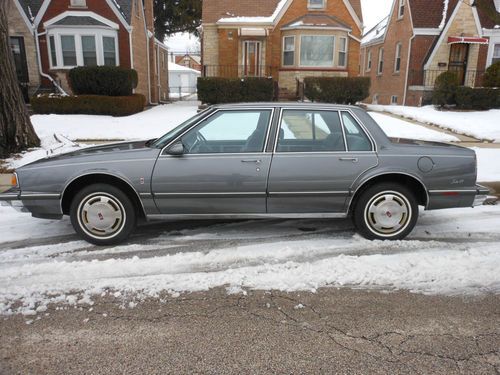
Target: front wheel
102 214
386 212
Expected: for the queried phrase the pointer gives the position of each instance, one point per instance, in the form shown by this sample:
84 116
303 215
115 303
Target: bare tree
16 130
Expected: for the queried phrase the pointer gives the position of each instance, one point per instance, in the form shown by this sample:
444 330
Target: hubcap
101 215
388 213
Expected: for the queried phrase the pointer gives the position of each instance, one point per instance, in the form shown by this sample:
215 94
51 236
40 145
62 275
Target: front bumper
481 195
12 198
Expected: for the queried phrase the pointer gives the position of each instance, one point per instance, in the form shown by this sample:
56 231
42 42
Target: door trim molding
318 215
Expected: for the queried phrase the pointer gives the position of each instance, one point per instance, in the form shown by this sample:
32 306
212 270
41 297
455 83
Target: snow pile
478 124
488 165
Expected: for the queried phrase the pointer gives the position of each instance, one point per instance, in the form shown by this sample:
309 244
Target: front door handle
354 160
256 161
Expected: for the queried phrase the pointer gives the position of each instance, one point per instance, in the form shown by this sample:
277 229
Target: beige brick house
420 39
285 39
50 37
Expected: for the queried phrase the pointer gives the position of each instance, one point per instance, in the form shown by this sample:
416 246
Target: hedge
445 88
103 80
477 98
339 90
89 104
215 90
491 77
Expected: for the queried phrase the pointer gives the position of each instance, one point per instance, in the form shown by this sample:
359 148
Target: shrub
340 90
445 88
214 90
491 77
477 98
89 104
103 80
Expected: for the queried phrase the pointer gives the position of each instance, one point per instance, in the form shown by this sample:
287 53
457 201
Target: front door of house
459 54
20 63
251 58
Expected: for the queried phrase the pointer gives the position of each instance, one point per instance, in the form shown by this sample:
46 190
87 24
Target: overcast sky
373 12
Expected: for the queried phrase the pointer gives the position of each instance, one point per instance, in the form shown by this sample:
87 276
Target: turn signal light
13 180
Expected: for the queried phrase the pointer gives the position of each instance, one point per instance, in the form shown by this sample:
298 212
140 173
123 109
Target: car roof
298 105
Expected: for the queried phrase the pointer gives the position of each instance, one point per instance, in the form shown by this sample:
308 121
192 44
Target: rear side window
356 138
310 131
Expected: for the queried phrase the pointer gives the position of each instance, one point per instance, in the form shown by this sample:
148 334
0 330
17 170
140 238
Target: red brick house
190 61
285 39
49 37
420 39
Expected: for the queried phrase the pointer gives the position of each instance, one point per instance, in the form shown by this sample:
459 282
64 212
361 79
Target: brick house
190 61
420 39
49 37
285 39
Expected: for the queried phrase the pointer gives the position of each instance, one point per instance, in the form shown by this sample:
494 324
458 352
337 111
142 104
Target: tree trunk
16 130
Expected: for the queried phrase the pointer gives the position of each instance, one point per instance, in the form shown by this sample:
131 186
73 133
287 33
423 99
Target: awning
467 39
253 31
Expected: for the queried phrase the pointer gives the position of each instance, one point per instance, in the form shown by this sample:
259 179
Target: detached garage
182 80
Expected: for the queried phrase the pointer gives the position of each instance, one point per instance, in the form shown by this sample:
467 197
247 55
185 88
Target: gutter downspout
159 71
407 69
37 35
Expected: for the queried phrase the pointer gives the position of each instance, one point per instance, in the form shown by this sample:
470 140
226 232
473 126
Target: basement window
394 100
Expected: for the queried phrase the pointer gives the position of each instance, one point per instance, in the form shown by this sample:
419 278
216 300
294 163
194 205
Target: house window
343 52
288 50
78 3
369 62
401 9
496 54
52 48
89 52
316 50
380 61
109 50
394 99
316 4
68 50
397 59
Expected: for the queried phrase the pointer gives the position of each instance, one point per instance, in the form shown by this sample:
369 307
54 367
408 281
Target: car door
222 170
316 160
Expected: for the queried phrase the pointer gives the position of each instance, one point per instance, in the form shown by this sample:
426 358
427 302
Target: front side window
380 61
68 50
310 131
109 50
288 50
397 59
229 132
316 4
89 52
316 50
356 138
343 52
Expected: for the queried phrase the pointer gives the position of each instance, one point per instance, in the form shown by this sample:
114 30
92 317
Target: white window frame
78 33
344 51
493 54
315 66
369 61
397 55
284 50
401 6
380 64
316 7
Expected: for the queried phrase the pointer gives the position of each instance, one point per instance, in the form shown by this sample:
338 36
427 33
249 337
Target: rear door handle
354 160
256 161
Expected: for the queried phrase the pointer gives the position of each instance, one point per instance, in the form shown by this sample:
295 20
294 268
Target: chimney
149 14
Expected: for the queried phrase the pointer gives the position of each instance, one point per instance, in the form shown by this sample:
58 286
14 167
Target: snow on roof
445 12
376 33
173 67
269 19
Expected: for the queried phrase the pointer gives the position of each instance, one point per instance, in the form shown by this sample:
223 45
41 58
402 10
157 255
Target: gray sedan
264 160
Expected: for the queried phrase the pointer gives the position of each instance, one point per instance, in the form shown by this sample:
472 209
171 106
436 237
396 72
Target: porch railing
427 78
238 71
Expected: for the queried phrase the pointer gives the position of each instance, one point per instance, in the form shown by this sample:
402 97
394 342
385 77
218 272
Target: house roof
32 7
317 20
431 13
79 21
377 33
173 67
489 15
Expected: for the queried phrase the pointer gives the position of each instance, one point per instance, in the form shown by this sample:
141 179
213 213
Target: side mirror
176 149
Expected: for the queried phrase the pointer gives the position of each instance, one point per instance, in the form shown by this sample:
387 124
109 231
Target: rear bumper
481 195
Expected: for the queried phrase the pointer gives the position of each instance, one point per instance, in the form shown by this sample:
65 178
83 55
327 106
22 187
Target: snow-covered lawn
478 124
450 252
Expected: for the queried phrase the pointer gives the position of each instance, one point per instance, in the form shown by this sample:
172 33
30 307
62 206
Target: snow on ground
145 125
397 128
435 260
488 164
478 124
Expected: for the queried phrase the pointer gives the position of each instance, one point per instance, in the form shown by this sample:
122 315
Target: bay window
317 50
68 50
342 52
52 48
288 50
109 50
89 51
496 53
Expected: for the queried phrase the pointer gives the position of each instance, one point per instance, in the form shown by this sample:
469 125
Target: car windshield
165 139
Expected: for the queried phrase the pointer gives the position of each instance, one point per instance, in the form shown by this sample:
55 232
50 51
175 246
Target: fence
471 78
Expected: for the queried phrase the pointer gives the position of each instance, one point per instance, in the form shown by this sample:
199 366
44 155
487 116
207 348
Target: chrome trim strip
452 191
29 196
146 195
9 196
308 192
318 215
203 194
346 147
86 163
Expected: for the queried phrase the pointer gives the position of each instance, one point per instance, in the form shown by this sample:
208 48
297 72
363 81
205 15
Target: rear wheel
102 214
386 212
